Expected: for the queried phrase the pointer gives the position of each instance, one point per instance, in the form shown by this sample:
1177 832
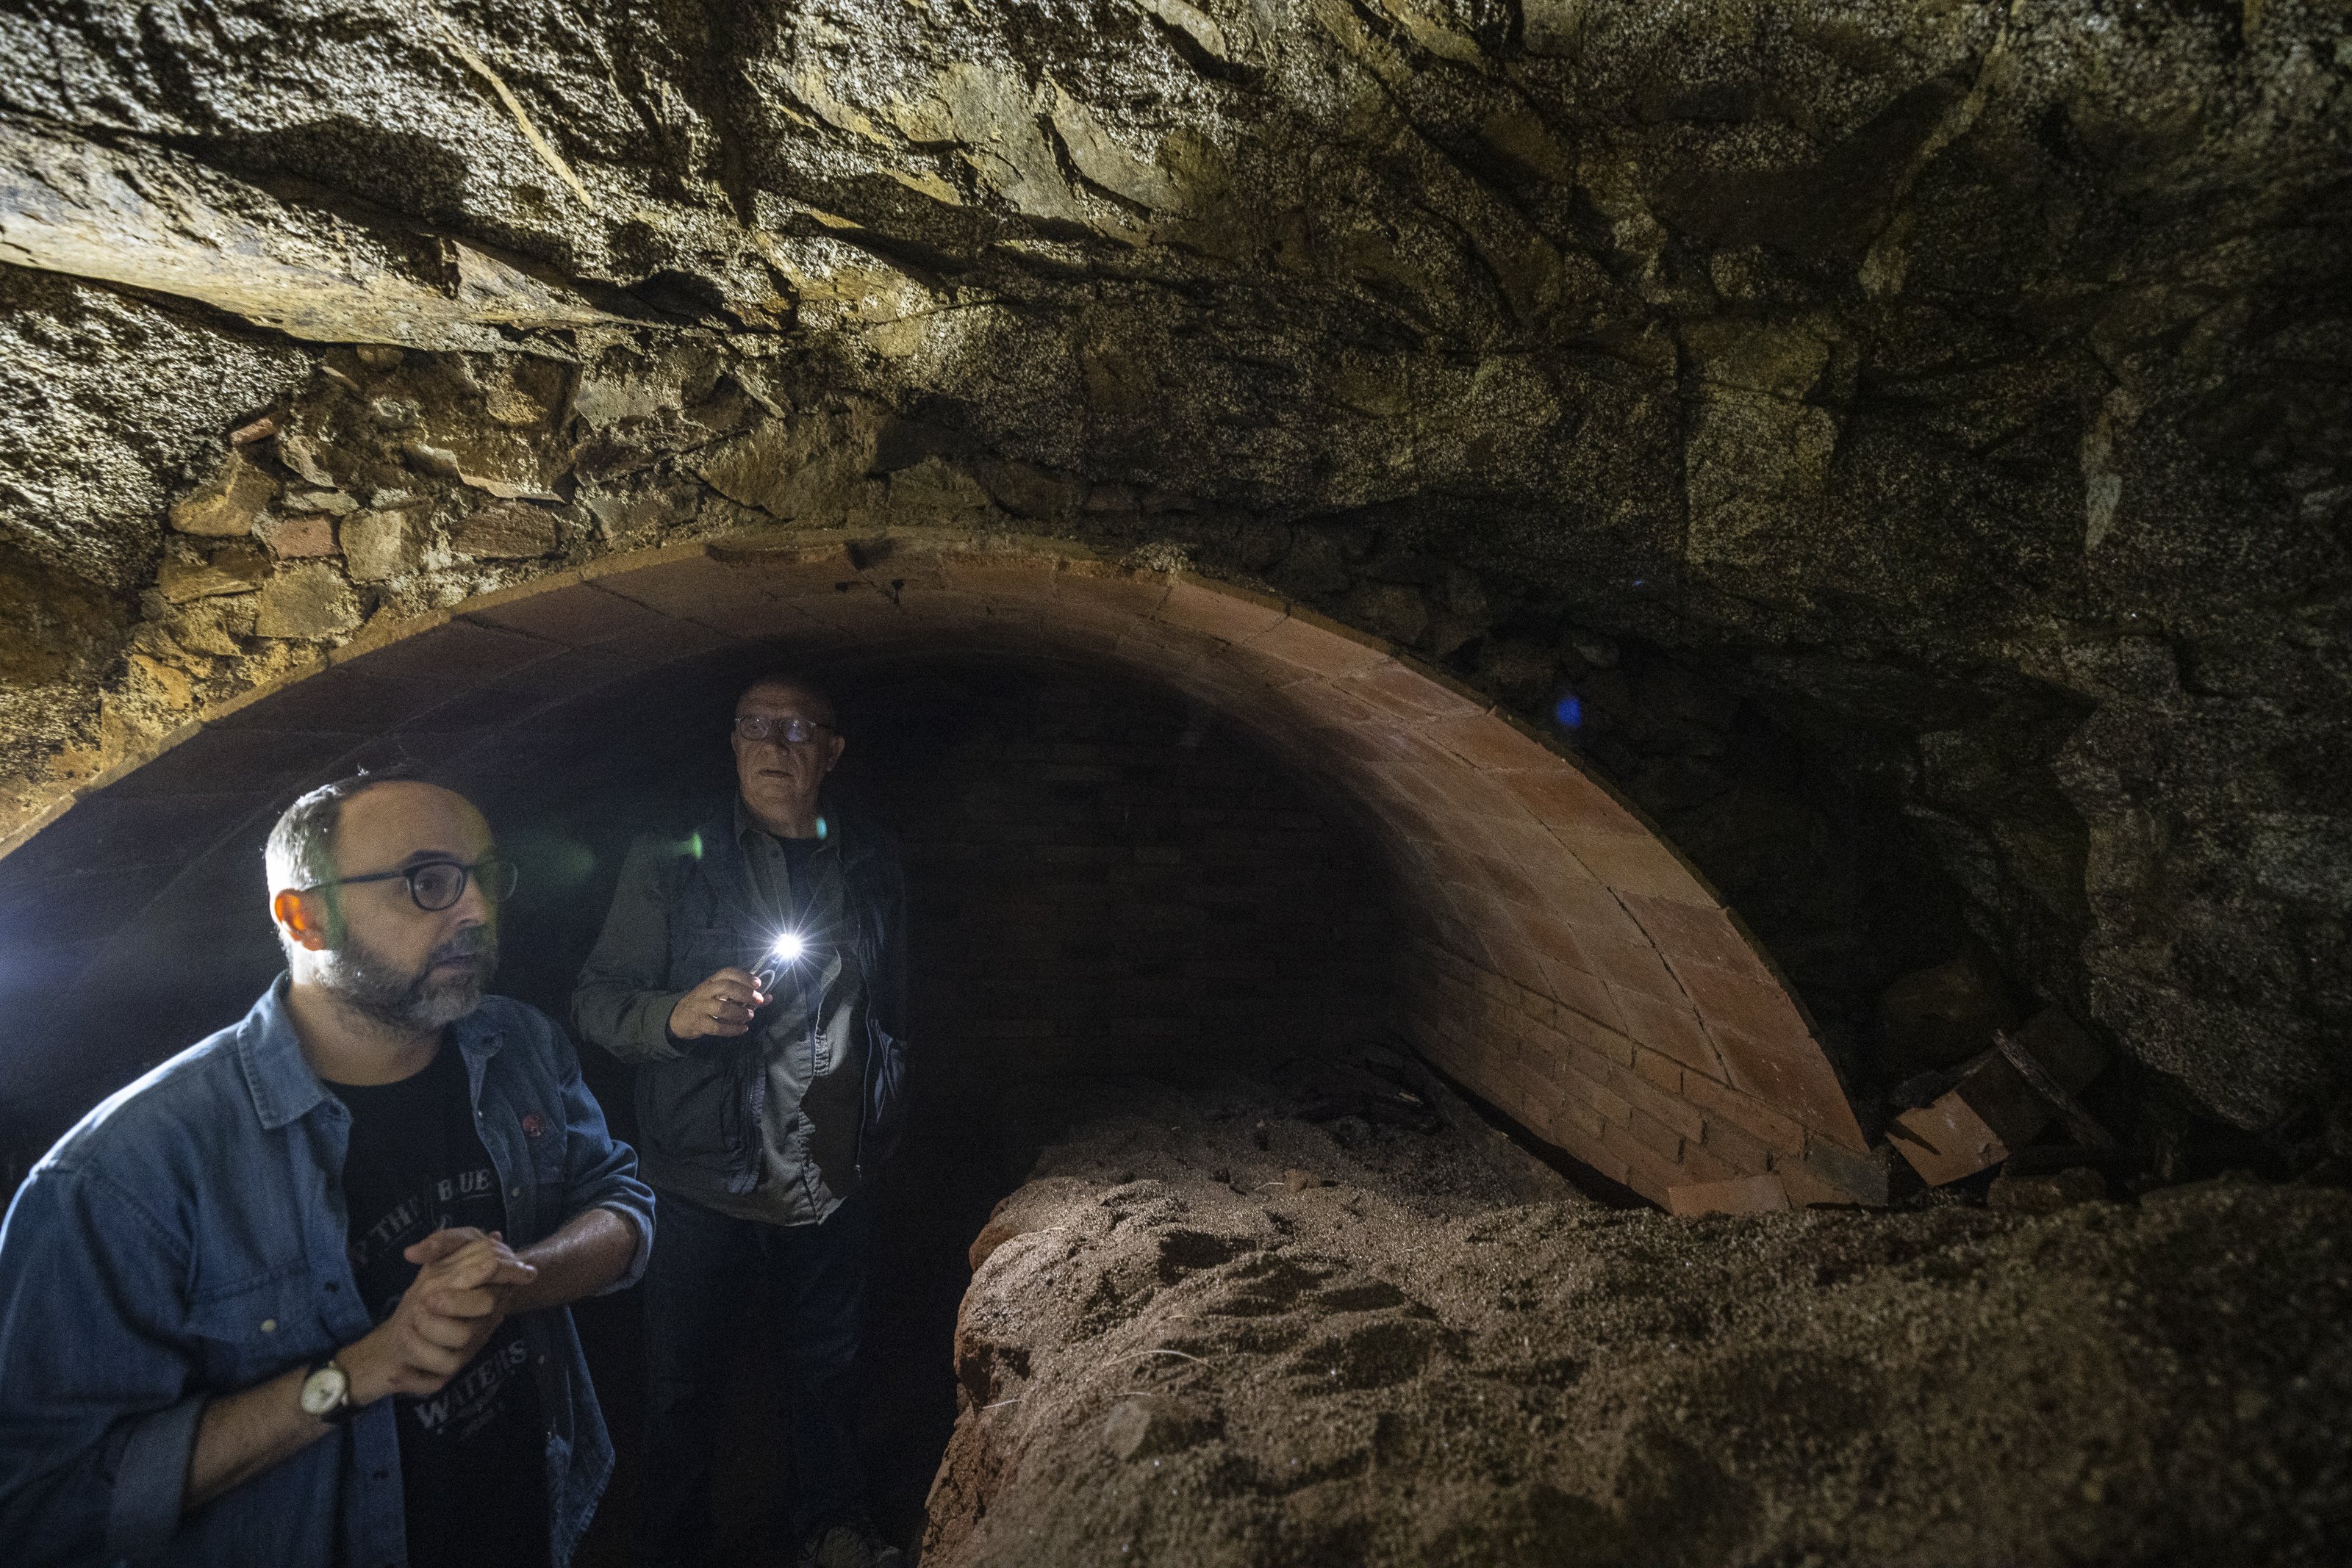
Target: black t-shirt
797 855
473 1458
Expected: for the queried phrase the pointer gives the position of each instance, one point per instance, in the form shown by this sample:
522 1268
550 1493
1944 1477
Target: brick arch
1567 963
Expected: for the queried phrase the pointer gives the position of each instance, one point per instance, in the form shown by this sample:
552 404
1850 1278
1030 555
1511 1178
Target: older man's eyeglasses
438 885
790 731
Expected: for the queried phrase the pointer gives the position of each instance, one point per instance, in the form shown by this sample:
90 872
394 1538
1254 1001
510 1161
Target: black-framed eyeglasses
790 731
438 885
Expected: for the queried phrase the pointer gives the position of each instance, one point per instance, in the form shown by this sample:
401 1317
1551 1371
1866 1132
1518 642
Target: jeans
809 1281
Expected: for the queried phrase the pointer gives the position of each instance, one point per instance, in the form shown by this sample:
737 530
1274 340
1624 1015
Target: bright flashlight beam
788 950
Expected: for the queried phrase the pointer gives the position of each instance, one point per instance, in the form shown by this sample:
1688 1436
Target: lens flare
788 948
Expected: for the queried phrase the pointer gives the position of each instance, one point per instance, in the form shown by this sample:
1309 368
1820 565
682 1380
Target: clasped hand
465 1287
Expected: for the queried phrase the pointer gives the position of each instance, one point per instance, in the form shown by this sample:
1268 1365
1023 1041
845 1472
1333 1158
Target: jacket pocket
691 1110
246 1332
545 1170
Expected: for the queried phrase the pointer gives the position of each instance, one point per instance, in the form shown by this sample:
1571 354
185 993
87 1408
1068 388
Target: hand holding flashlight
720 1005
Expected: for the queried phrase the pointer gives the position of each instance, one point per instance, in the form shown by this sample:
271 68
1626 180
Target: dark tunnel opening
1107 882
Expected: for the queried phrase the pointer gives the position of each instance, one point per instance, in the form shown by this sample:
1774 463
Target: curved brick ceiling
1566 963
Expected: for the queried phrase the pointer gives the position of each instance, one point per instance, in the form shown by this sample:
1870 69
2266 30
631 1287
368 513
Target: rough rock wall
1951 398
1207 1335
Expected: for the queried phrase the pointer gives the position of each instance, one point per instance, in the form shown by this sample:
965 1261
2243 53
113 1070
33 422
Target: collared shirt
188 1240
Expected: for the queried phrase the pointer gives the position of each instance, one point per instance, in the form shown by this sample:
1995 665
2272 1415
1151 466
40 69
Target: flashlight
788 948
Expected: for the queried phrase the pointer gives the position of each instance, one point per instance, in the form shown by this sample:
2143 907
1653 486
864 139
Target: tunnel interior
1115 880
1103 877
1762 593
1107 883
1541 922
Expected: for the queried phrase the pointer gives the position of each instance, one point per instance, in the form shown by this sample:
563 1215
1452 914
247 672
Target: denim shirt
188 1240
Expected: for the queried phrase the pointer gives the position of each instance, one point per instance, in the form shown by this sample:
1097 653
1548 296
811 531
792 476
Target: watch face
323 1390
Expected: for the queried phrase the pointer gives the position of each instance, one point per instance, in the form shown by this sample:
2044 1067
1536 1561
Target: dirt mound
1208 1333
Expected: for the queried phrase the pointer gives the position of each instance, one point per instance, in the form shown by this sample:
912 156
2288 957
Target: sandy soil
1209 1332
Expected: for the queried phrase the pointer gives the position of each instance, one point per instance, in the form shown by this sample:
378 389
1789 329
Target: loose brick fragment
1992 1110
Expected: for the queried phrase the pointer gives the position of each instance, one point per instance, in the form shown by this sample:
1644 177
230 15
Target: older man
755 972
297 1296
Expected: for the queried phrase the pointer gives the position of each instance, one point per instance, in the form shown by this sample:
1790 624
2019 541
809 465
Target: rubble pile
1210 1332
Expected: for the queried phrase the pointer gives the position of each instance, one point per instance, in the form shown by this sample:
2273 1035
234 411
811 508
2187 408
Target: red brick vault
1565 962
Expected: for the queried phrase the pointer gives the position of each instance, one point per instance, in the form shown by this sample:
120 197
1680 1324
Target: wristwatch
327 1393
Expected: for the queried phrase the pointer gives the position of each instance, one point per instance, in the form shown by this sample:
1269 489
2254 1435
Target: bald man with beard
299 1295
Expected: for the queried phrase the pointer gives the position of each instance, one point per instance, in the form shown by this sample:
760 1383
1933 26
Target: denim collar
278 1077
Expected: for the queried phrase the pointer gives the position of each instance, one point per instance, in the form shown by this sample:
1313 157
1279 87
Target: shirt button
382 1475
269 1325
514 1192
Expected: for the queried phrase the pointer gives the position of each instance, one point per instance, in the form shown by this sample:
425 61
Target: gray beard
419 1000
